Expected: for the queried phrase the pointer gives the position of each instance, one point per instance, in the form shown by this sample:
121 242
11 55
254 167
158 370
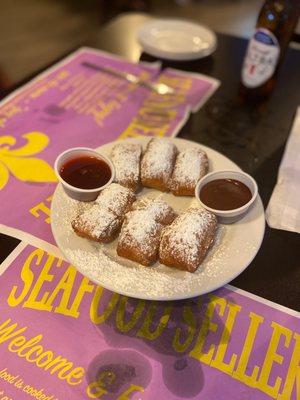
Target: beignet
190 166
97 224
139 237
116 199
157 208
103 220
126 159
185 242
157 164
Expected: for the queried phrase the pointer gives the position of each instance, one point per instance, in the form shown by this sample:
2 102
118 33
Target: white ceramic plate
233 251
177 39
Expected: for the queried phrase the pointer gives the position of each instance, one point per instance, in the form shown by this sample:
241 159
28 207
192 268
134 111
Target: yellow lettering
242 367
218 361
75 376
44 276
42 208
65 285
272 357
206 327
32 352
49 357
62 364
153 334
190 321
27 277
165 102
97 318
37 350
17 342
176 82
94 391
121 313
8 331
85 287
103 379
293 375
132 388
28 344
135 129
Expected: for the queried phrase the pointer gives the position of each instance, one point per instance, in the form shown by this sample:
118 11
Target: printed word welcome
204 331
33 352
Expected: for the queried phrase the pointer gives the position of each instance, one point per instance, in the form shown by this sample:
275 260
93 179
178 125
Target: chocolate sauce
86 172
225 194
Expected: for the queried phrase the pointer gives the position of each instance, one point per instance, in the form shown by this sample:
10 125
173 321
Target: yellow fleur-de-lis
19 161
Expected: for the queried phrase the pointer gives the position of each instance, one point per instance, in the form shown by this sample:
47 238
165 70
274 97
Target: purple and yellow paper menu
63 337
74 105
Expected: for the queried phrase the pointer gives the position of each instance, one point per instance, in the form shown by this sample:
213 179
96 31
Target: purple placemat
62 337
73 104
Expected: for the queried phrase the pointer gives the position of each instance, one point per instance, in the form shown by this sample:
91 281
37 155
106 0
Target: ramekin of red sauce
227 194
83 173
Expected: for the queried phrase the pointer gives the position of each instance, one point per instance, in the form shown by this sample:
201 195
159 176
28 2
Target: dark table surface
253 136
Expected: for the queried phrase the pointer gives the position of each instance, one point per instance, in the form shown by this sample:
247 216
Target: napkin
283 211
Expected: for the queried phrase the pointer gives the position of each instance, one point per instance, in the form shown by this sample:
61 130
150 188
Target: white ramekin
229 216
72 191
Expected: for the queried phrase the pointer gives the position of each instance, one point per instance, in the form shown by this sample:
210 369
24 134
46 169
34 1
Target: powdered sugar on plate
234 247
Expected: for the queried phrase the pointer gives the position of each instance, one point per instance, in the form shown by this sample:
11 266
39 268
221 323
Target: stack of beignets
150 229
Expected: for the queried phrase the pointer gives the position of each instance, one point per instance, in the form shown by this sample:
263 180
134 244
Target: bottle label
261 58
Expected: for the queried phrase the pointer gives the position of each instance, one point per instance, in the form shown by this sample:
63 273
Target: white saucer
235 247
177 39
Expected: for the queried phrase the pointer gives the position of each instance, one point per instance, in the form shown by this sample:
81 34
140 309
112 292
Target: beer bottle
274 29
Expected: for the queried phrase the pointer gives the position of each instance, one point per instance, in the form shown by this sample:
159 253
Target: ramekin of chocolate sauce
227 194
83 173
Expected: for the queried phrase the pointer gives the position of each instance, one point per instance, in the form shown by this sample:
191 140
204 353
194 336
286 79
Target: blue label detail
263 37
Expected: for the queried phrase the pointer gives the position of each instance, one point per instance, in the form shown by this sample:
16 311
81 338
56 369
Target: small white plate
234 249
177 39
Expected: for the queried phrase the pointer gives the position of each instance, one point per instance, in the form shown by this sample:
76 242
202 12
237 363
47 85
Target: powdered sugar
191 165
234 247
126 159
116 199
141 229
156 282
186 235
157 209
103 220
158 161
97 222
